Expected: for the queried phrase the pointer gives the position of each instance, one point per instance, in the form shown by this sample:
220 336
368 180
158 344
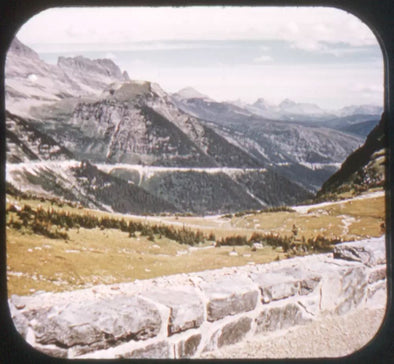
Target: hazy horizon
309 55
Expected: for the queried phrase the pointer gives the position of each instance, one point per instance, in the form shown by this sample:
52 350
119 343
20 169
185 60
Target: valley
111 179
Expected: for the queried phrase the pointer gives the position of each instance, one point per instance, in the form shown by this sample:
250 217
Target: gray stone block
229 297
377 295
353 289
102 323
186 308
308 285
161 350
370 252
20 321
277 318
187 348
284 284
377 275
234 331
52 350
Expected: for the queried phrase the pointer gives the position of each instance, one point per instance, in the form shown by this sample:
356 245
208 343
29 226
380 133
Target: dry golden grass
95 256
352 220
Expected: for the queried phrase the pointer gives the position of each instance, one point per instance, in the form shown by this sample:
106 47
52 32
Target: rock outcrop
96 74
184 315
364 168
31 82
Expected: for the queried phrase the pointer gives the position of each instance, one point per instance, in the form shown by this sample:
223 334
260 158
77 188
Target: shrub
212 237
234 240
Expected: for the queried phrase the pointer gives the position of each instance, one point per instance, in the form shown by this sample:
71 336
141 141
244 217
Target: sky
316 55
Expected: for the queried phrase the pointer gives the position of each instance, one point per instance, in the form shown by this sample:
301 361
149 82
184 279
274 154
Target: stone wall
181 316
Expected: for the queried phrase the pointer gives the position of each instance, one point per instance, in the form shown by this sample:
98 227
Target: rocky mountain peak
81 65
19 49
261 104
126 91
31 82
300 108
126 76
287 103
190 93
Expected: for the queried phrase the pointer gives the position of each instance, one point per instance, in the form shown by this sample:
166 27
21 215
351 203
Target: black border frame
377 14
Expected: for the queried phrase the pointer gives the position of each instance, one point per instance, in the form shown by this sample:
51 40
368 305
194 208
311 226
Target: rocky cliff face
183 316
135 122
26 143
364 168
91 74
32 82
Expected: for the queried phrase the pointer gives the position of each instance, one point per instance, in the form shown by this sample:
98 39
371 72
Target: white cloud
290 29
310 45
366 89
328 86
263 59
264 48
312 29
304 27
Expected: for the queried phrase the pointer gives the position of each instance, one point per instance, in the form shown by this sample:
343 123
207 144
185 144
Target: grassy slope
96 256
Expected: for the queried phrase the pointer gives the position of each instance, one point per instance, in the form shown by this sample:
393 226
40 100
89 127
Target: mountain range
346 118
84 131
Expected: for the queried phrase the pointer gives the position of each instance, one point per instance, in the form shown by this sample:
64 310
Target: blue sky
319 55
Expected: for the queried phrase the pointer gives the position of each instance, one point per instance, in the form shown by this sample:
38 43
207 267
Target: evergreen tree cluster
182 236
55 223
36 221
322 244
48 221
288 244
265 210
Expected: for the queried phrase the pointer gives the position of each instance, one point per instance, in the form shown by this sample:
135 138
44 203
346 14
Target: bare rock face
16 51
95 74
31 82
